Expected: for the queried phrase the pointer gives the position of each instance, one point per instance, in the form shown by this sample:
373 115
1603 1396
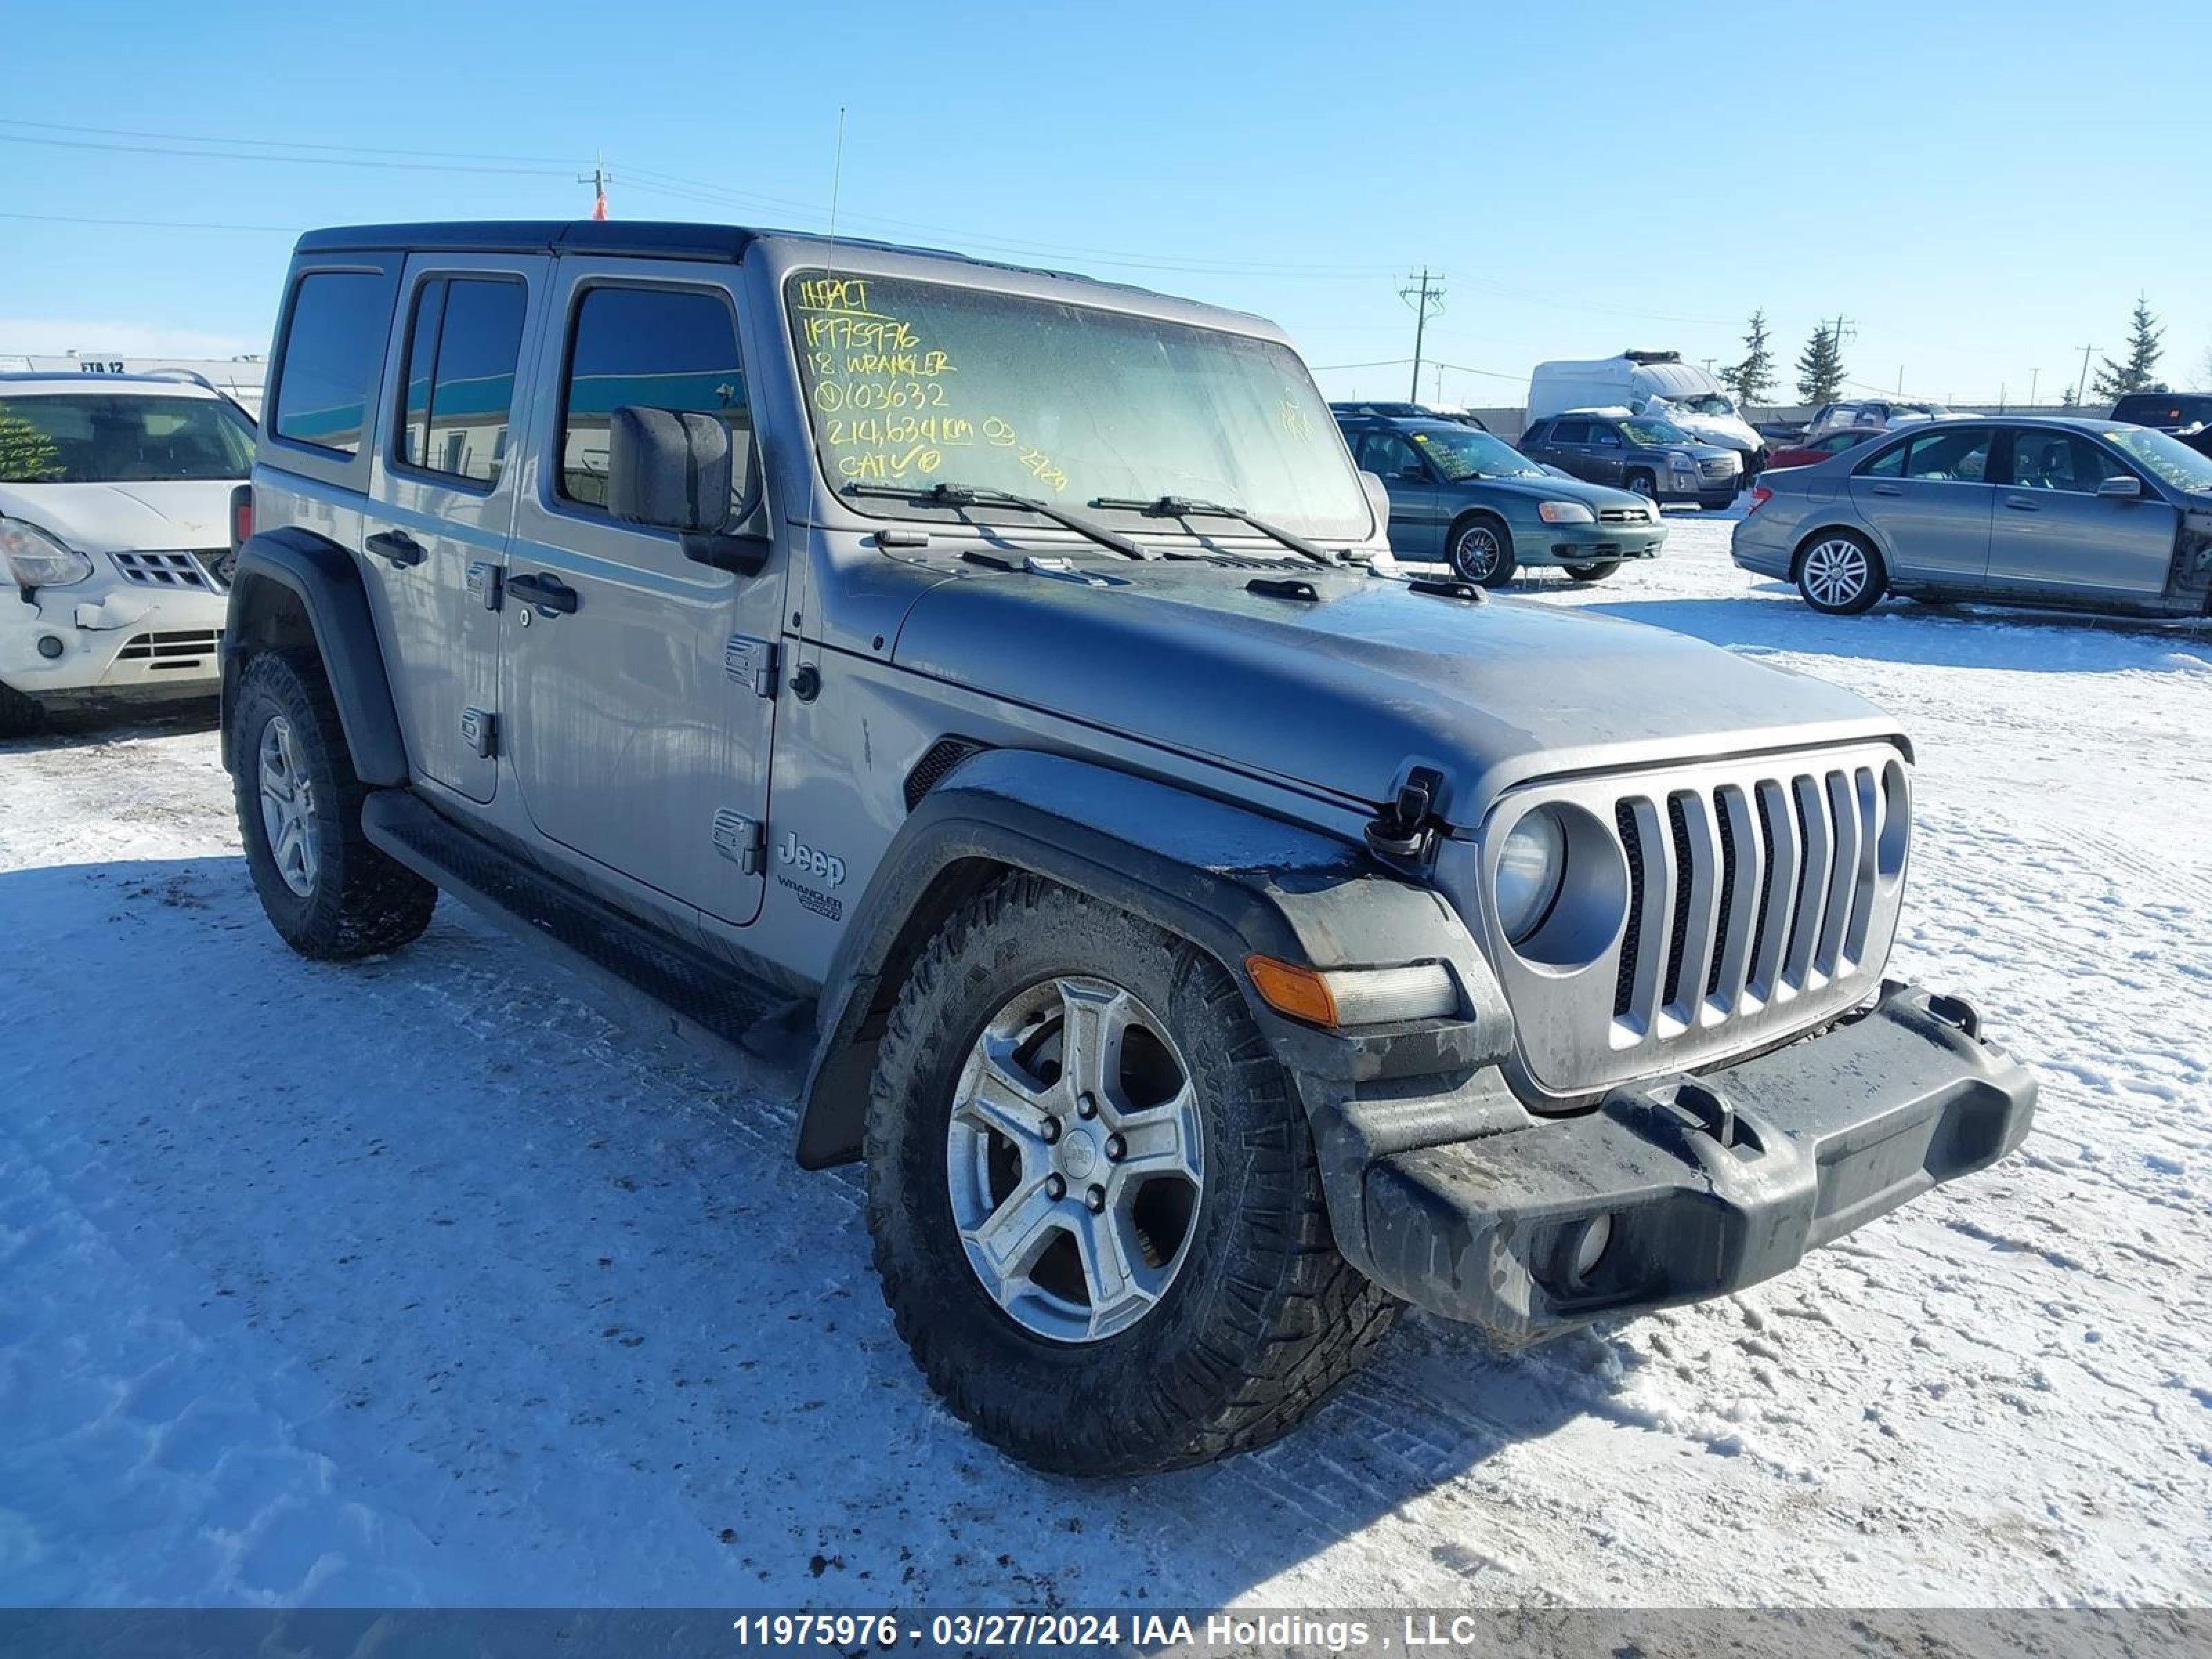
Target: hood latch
1404 828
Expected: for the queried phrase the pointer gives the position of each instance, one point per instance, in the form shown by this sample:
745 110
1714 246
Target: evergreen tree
1753 378
1820 366
2117 378
2067 399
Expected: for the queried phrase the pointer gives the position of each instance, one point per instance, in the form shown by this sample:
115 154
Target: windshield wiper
1184 506
960 495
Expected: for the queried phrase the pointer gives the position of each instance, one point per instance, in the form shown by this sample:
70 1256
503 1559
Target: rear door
641 684
1931 498
1606 461
1568 445
2053 534
442 495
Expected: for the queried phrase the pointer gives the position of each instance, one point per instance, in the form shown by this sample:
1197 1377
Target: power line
291 161
287 143
145 224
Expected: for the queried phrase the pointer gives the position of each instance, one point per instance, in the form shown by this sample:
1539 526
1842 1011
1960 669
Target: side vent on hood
932 768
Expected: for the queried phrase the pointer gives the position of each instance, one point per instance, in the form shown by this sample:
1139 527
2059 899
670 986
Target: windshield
925 383
122 438
2167 459
1701 403
1652 433
1470 454
2164 409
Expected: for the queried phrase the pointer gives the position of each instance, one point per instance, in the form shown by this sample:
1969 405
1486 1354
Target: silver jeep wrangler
998 681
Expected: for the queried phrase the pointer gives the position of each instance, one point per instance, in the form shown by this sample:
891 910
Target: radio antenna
836 176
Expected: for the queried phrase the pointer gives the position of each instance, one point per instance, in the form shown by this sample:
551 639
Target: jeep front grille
203 570
1755 898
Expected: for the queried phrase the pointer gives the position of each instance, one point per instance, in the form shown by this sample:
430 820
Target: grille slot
163 650
201 571
1631 842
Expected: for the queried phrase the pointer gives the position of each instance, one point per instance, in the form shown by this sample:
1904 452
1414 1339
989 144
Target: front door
441 497
1416 530
641 684
2054 534
1931 498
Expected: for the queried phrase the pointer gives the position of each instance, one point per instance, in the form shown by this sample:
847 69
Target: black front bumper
1693 1185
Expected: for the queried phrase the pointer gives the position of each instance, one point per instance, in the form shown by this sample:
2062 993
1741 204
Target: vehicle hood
1721 429
1345 693
1547 488
126 518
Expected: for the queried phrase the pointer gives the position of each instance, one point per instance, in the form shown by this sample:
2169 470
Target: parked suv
1476 503
1209 939
115 538
1642 454
2186 415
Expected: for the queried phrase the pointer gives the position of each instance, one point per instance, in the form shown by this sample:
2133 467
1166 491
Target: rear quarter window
331 359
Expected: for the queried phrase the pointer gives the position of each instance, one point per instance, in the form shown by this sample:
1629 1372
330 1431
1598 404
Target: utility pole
1421 298
2082 386
597 178
2035 379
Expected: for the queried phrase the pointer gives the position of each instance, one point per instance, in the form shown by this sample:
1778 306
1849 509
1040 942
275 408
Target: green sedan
1465 498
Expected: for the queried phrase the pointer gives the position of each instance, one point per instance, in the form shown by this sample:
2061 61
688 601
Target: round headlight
1532 867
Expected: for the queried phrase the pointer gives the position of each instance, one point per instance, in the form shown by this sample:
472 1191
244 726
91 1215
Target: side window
1389 455
333 352
1571 432
1956 457
1604 436
2060 460
1890 464
655 348
463 344
1536 433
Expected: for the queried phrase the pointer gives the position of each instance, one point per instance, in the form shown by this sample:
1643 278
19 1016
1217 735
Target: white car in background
115 538
1872 415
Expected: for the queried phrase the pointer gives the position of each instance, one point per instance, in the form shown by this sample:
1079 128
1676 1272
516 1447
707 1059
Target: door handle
1887 489
2021 504
547 592
396 545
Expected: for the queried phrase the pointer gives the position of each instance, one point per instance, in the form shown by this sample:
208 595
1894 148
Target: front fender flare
323 579
1230 880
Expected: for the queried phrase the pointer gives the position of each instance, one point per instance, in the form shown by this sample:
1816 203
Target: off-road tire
1500 573
1263 1321
1593 573
20 715
363 902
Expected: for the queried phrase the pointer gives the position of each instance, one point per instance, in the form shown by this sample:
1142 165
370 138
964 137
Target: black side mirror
676 470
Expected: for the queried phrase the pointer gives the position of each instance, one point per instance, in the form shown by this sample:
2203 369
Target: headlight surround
1680 461
1564 513
35 559
1532 868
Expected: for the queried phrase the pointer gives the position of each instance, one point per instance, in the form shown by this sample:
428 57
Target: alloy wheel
1476 553
1835 572
288 807
1075 1160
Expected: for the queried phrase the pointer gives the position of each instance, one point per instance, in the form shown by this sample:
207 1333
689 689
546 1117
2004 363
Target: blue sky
1981 189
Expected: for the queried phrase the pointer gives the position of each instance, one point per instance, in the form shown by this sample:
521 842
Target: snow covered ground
420 1282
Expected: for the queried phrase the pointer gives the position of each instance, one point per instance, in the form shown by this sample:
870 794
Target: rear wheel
1095 1203
1593 573
1840 573
1482 551
20 715
330 894
1643 484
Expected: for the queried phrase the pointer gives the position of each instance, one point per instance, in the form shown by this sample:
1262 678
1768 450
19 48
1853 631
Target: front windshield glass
1701 403
2166 457
1468 454
924 383
122 438
1652 433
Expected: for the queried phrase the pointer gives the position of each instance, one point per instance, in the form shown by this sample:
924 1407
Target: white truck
1641 382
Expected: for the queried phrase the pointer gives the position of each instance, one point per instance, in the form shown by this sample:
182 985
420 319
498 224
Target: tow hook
1401 829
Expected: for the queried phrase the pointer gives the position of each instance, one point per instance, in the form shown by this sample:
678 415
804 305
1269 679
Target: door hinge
741 839
480 730
484 585
750 662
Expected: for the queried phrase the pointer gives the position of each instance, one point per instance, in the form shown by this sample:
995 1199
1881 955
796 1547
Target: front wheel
1643 484
1593 573
1482 551
1840 574
329 892
1095 1203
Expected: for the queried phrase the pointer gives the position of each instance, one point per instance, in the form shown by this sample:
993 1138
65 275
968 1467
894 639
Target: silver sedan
2074 513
